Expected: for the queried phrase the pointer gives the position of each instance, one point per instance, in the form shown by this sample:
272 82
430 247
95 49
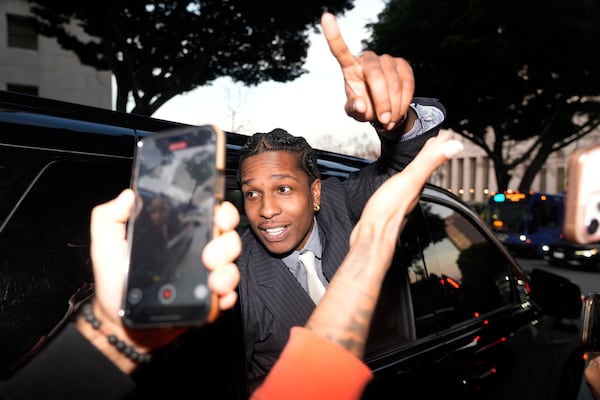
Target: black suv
457 317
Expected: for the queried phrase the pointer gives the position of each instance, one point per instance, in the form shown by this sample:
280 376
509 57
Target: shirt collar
313 244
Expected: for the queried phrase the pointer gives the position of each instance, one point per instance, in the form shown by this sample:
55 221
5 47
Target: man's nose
269 207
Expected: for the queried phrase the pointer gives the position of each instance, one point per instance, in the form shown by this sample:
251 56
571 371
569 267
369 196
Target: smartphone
590 327
178 178
582 202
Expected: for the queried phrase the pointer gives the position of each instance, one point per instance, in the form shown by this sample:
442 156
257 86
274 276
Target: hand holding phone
582 203
178 178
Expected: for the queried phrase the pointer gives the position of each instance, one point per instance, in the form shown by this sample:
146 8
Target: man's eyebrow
272 176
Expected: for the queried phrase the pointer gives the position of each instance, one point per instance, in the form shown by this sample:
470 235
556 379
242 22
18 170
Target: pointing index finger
336 43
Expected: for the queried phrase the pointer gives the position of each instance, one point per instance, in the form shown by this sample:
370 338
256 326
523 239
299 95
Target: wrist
399 128
110 339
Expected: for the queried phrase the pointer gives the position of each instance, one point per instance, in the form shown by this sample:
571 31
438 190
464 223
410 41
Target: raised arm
344 314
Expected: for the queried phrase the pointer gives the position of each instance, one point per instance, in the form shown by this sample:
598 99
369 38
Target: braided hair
280 140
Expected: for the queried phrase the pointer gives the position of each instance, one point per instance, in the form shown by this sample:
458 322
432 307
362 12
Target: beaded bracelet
127 350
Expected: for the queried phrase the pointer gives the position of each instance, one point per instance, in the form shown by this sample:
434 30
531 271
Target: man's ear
315 188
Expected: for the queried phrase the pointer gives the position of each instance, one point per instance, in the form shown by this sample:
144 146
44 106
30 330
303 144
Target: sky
311 106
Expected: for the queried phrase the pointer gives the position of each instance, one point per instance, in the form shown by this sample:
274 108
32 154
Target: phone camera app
134 296
166 294
201 292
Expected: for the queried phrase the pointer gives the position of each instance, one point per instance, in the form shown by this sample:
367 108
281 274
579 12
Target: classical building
471 174
37 65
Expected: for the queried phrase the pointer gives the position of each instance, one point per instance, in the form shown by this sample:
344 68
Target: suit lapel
279 290
335 247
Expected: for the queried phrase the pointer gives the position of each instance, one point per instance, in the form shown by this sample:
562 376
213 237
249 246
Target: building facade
470 175
37 65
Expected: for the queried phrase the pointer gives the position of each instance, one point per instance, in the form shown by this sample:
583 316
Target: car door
473 333
47 198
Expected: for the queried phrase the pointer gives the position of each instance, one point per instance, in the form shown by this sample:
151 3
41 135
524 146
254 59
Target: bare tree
364 146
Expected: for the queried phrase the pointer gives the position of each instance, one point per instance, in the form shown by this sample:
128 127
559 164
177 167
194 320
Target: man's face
159 211
279 200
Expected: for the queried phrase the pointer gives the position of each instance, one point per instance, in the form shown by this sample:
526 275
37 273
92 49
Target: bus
524 221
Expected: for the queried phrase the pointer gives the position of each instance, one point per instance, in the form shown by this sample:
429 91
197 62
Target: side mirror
556 295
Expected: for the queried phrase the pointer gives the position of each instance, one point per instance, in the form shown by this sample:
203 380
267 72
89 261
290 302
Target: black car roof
74 127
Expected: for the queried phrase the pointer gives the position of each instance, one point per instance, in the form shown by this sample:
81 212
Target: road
588 280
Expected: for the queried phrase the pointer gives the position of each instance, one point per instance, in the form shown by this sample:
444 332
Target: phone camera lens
593 226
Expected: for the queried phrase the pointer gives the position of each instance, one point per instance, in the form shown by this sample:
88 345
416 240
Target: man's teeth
274 231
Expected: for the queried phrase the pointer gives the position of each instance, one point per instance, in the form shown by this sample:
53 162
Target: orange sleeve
311 367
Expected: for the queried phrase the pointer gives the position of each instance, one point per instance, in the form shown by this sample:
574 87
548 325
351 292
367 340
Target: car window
45 245
393 322
464 276
15 176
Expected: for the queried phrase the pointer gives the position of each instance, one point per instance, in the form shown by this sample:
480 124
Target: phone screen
175 179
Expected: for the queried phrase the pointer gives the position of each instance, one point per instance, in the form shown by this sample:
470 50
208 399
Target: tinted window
392 321
45 241
464 275
445 272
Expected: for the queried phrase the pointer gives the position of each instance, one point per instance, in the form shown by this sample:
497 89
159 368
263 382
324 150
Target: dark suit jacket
271 299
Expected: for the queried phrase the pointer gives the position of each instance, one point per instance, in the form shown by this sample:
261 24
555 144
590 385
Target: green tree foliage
507 71
157 49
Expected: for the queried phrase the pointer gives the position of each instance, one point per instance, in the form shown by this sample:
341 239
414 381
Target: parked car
568 254
457 318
